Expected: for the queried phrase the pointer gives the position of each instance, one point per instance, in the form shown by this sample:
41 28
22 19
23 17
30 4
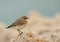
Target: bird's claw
20 32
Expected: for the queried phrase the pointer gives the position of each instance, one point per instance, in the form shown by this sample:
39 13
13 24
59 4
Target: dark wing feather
15 23
18 22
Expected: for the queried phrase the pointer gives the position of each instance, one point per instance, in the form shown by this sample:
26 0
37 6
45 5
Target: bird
19 23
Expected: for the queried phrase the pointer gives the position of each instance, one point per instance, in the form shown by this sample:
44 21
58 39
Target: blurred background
10 10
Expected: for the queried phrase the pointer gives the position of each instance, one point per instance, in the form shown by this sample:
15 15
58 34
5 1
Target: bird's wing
18 22
15 23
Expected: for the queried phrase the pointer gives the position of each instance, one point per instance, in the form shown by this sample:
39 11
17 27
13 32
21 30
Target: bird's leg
20 32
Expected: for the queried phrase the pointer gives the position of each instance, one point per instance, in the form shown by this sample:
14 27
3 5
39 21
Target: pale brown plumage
21 21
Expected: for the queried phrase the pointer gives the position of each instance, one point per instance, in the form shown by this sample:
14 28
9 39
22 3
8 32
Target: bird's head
24 18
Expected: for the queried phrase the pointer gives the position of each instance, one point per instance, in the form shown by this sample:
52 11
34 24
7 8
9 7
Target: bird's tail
8 26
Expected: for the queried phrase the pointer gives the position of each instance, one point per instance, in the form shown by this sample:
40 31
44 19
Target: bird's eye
25 18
